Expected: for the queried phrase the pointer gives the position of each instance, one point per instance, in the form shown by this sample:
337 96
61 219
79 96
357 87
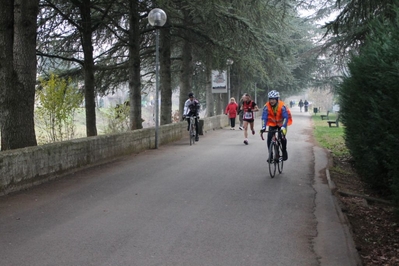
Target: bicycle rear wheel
271 162
279 157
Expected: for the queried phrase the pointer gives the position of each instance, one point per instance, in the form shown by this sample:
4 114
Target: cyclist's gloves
184 117
263 130
284 130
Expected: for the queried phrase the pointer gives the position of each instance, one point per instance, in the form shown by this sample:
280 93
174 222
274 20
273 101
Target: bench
325 116
332 122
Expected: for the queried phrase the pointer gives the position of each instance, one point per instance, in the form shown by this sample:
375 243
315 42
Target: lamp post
229 62
255 97
157 18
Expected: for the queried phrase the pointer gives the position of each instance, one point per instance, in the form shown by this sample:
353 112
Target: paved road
209 204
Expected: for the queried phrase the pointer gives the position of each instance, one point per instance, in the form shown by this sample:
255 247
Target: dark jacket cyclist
192 108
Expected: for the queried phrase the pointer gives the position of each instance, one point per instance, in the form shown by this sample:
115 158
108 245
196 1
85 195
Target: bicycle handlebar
273 131
188 117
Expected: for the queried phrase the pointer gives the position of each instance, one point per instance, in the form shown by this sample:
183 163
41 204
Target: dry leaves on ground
374 228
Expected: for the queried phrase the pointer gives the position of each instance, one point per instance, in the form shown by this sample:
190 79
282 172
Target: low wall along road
22 168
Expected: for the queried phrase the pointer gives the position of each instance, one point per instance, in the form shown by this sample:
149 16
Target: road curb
344 220
331 183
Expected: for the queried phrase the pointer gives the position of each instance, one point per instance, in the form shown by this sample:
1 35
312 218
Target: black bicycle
192 131
275 158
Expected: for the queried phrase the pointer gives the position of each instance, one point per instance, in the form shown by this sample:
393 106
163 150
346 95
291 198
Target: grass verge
331 138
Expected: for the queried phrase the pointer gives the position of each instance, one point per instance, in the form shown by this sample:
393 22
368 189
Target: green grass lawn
104 117
331 138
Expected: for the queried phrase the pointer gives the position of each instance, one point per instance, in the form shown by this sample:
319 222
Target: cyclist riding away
192 108
276 116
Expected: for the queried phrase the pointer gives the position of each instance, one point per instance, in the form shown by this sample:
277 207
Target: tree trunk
18 73
166 78
186 75
134 67
6 71
219 105
210 101
90 104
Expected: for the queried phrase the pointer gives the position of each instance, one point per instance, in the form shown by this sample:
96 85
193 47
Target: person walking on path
231 111
306 104
248 108
300 105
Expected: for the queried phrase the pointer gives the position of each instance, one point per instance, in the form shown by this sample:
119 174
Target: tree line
101 44
365 35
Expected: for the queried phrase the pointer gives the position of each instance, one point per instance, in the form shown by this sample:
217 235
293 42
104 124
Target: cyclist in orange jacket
276 116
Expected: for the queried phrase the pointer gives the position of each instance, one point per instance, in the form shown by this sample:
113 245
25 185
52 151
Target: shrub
369 96
56 102
117 118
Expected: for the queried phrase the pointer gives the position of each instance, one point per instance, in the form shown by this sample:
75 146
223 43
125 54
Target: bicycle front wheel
270 160
279 157
192 133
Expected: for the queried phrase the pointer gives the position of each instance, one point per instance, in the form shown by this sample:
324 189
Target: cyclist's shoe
285 155
270 160
245 141
196 138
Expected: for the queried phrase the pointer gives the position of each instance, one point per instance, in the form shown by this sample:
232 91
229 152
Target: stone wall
22 168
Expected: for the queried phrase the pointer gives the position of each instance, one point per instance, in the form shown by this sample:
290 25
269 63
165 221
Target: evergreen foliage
104 44
369 98
351 26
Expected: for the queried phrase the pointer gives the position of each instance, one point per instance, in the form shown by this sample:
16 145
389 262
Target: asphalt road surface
213 203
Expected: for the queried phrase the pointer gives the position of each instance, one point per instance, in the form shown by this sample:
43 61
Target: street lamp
255 97
157 18
229 62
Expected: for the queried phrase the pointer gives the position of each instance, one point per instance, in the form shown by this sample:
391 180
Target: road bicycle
275 157
192 132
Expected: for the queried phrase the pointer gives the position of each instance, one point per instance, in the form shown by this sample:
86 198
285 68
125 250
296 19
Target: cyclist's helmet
190 95
274 94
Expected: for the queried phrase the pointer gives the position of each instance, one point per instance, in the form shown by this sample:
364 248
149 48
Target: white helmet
274 94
